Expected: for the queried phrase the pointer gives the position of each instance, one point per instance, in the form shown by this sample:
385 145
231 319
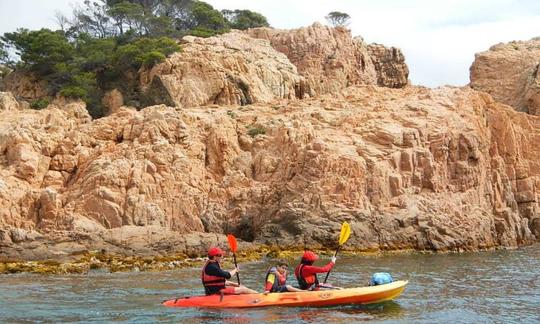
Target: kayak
347 296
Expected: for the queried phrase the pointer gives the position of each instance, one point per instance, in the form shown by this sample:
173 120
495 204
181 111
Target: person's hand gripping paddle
343 237
234 245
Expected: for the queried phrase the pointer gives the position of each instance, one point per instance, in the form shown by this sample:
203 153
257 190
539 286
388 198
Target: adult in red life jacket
306 272
276 279
214 279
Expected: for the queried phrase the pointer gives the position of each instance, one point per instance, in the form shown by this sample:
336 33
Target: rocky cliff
409 168
444 169
24 85
509 72
330 59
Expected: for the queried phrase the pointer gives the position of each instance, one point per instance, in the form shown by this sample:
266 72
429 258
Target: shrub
145 51
203 32
74 92
39 104
256 130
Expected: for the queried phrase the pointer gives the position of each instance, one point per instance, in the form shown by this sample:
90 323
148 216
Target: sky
438 38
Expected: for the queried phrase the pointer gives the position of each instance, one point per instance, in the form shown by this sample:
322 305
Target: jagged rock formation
509 72
229 69
235 68
443 169
330 59
390 65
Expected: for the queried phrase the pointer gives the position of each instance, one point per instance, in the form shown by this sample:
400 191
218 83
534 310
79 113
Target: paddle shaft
328 273
236 266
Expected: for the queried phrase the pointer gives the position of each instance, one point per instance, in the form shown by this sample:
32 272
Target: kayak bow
362 295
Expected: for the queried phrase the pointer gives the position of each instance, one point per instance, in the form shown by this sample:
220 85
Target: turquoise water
486 287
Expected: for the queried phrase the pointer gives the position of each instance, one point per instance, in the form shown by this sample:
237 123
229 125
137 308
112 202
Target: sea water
484 287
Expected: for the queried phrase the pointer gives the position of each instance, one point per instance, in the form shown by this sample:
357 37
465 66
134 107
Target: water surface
485 287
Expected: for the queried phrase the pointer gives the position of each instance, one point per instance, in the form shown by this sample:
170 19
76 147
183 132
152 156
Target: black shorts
281 289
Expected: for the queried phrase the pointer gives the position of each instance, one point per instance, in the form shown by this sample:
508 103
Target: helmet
310 256
215 251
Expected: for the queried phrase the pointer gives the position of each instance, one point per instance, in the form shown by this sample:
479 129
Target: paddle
234 245
343 237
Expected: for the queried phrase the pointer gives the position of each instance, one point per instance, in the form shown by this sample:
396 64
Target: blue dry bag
380 278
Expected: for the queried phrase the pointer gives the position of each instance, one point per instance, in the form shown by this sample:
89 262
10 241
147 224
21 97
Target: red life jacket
279 280
305 283
211 283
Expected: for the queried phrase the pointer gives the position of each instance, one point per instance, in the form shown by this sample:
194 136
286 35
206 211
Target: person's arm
309 270
213 270
269 282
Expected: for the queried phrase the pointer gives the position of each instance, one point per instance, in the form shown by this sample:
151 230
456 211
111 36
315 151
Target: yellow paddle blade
345 233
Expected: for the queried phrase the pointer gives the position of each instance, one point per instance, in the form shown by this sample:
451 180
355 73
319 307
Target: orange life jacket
279 281
211 281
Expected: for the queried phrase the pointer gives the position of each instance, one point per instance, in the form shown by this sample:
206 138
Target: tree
144 51
4 61
62 21
205 16
39 50
338 19
92 18
244 19
129 16
4 57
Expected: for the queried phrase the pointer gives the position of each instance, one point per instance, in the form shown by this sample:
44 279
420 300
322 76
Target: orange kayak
362 295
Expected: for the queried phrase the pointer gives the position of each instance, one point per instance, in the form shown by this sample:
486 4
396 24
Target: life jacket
212 284
306 283
279 280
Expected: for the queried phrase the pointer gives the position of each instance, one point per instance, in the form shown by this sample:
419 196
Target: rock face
443 169
112 101
8 102
230 69
392 72
330 59
24 86
240 68
509 72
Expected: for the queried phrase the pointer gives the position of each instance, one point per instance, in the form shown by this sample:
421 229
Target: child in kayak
306 273
276 279
214 279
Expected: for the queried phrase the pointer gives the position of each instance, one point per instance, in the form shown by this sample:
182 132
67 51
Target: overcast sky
438 38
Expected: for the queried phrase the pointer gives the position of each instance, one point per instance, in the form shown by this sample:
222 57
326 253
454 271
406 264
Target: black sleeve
213 270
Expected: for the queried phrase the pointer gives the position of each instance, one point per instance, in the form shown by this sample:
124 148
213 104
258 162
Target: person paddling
276 279
214 279
306 273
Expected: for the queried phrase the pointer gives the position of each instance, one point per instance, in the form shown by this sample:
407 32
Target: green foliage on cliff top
105 42
244 19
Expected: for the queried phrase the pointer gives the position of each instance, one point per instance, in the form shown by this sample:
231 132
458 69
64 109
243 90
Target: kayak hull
348 296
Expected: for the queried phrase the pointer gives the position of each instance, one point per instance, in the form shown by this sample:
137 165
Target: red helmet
215 251
310 256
